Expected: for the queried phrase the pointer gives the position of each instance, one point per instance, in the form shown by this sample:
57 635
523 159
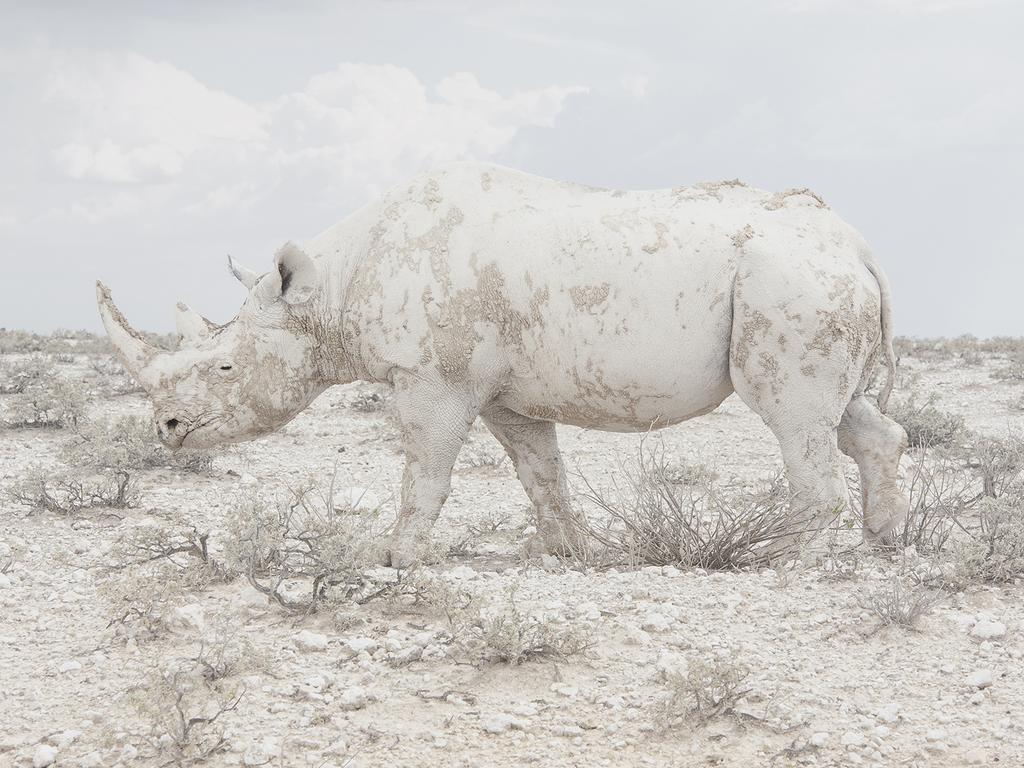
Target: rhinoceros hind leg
533 447
806 427
435 420
876 443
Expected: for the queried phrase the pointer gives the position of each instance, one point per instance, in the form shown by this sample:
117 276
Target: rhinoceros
479 291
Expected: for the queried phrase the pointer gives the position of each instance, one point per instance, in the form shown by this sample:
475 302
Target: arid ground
141 633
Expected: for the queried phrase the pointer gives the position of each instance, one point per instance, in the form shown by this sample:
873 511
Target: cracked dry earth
377 684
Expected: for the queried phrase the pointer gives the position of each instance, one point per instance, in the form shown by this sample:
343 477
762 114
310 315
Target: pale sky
140 142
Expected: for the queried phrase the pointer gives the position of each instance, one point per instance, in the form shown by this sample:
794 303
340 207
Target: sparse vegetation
652 519
898 603
705 689
127 445
65 493
925 424
47 401
302 540
183 712
505 633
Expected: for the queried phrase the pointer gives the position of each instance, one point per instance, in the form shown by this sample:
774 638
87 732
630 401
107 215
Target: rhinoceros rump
478 291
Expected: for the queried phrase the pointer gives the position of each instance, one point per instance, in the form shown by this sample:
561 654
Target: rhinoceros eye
226 367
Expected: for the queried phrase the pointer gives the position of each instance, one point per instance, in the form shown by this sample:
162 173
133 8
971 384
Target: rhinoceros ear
245 276
295 278
192 327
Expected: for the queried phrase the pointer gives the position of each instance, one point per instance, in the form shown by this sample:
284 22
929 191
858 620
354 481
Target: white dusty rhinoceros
475 290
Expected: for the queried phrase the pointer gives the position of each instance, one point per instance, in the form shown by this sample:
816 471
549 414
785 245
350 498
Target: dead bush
704 689
370 402
304 540
1013 371
17 376
1000 463
506 634
925 424
65 493
183 548
113 378
48 402
140 600
129 444
651 519
477 456
182 711
994 552
941 496
901 604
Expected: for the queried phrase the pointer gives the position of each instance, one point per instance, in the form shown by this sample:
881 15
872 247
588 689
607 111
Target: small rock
889 713
353 698
988 630
568 731
189 617
5 581
980 679
976 757
499 723
307 640
67 738
71 665
977 698
353 646
357 500
569 691
935 735
852 739
261 753
819 739
656 622
44 755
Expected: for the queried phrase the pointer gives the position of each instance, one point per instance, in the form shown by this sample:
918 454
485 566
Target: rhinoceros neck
339 251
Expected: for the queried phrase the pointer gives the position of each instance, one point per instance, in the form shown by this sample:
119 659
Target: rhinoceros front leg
434 419
533 447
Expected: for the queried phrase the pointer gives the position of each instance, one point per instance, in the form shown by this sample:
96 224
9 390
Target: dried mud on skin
348 687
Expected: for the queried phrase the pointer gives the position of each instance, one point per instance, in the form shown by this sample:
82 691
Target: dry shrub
149 570
505 633
304 539
370 402
140 600
941 496
925 424
497 630
477 456
129 444
18 376
898 603
995 550
113 377
652 519
707 688
48 402
182 710
69 494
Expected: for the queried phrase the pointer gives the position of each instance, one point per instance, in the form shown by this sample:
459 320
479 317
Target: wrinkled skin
476 291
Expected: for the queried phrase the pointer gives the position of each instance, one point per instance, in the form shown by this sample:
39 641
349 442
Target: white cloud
636 85
907 7
142 134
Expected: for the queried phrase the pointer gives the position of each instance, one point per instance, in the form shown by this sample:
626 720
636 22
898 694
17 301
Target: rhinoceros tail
886 321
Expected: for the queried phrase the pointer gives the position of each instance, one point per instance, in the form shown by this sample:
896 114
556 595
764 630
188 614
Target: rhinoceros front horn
135 354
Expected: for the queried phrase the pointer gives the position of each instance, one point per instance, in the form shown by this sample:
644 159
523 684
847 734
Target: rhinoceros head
237 381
